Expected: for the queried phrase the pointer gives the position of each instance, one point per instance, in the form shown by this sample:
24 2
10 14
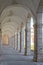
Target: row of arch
13 16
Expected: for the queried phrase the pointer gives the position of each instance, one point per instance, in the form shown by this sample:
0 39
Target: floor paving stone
9 56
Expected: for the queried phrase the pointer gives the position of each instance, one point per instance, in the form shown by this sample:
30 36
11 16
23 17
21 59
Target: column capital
37 25
34 25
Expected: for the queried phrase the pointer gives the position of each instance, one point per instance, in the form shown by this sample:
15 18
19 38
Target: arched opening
5 39
32 35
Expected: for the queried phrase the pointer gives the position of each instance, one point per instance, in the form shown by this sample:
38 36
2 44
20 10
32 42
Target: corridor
9 56
21 32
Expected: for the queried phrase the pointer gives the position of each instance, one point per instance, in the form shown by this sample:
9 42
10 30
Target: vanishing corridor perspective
21 31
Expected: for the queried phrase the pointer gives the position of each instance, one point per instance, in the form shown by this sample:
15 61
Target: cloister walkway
9 56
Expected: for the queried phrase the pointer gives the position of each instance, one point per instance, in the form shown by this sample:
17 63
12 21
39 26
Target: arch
8 32
15 19
12 12
19 5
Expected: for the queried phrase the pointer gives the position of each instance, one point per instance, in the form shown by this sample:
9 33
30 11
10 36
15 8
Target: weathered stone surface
28 38
39 32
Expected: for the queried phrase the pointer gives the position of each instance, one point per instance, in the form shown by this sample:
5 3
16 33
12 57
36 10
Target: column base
40 57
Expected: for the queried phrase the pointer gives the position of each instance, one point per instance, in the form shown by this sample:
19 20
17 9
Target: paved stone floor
8 56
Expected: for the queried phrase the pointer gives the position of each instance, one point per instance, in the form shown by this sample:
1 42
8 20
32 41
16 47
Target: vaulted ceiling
12 16
32 4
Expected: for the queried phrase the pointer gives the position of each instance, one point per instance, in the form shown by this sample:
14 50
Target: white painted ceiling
11 17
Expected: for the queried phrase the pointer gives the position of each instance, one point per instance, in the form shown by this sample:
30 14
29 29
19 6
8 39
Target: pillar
35 43
38 44
20 41
17 40
25 53
14 41
0 39
28 36
21 37
39 36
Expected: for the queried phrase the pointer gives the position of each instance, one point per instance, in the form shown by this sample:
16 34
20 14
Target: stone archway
12 17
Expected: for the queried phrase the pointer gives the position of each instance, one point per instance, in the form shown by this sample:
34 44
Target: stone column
21 36
17 40
20 41
28 36
14 41
0 38
25 53
38 54
39 36
35 43
10 41
42 38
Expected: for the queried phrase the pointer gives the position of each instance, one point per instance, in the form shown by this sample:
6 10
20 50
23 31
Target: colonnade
21 39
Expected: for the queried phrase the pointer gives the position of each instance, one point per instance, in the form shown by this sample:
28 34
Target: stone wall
39 32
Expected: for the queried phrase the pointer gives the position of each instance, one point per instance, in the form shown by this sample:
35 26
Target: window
32 34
